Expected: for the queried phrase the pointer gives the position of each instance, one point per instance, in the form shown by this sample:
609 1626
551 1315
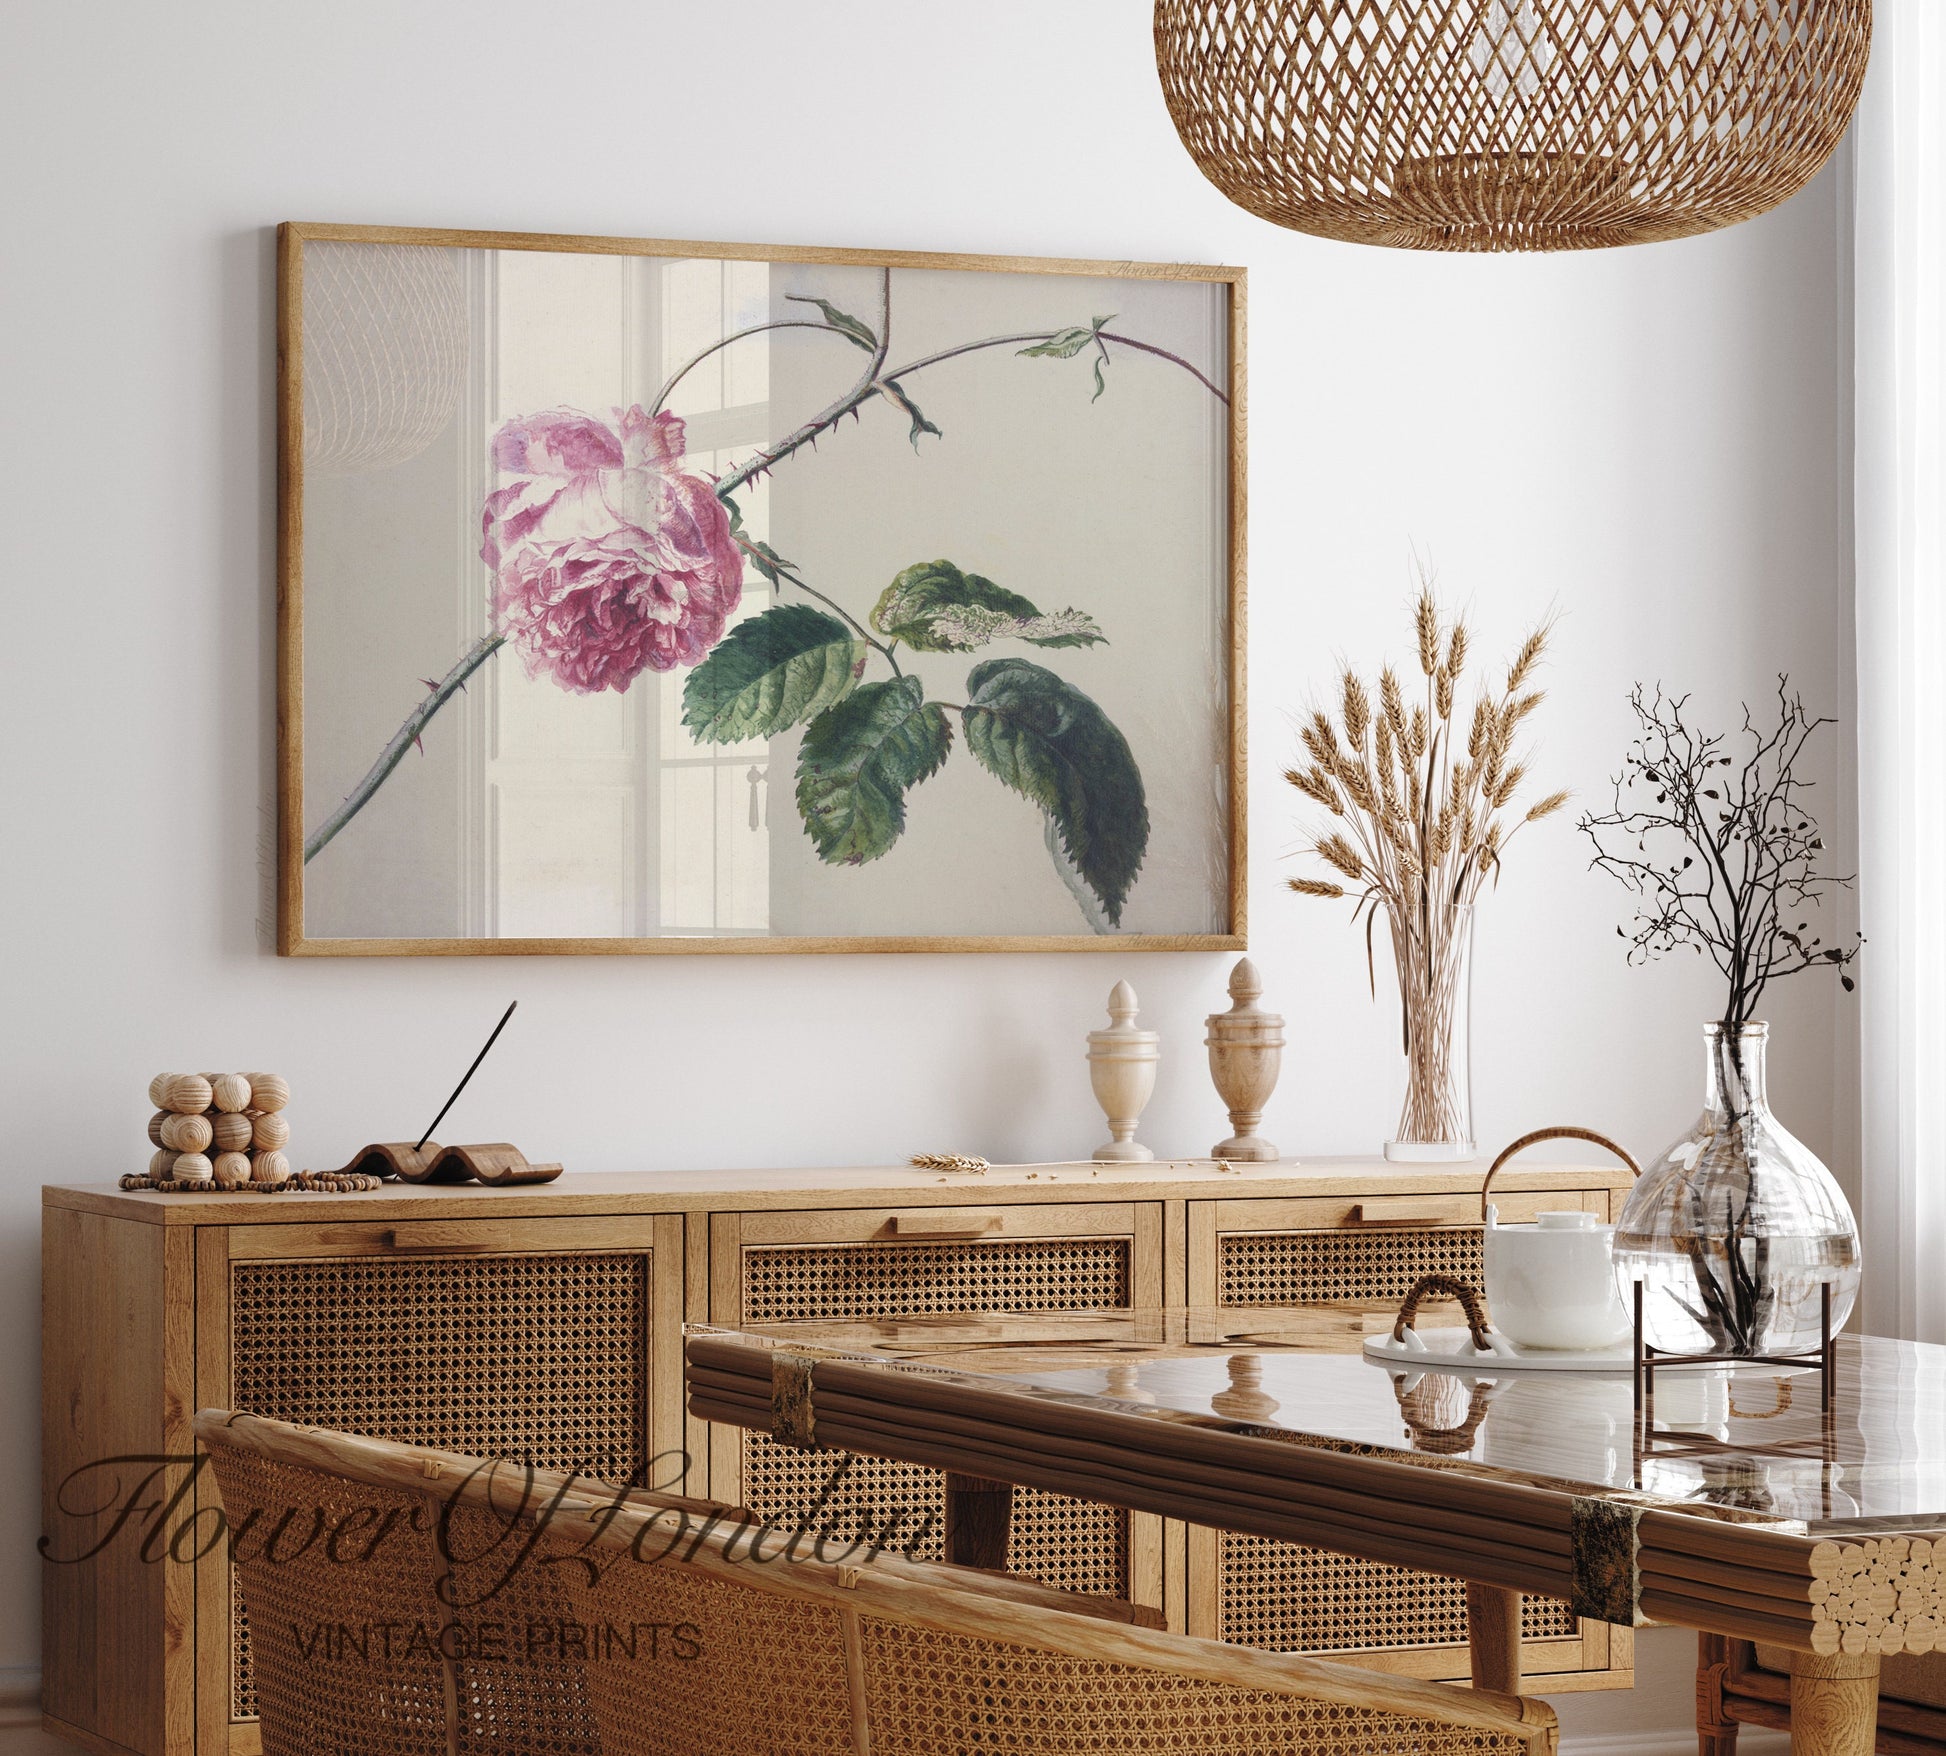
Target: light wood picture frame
643 596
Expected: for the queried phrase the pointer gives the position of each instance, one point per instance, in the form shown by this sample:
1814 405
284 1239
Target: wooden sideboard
546 1323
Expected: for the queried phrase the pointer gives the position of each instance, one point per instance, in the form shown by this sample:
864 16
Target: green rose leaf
770 673
934 607
761 556
857 762
1066 343
895 393
765 559
1038 734
858 334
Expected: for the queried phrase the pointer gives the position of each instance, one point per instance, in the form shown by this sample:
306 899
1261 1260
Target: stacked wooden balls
223 1128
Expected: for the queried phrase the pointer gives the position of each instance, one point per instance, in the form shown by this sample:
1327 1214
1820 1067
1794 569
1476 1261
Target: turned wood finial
1246 1053
1121 1067
1245 1399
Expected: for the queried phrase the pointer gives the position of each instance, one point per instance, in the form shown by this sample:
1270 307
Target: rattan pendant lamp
1510 124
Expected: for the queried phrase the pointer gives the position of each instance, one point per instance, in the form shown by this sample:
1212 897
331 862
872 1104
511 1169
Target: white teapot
1552 1284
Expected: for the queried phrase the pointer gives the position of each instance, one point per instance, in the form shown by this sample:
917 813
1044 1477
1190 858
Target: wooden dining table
1741 1501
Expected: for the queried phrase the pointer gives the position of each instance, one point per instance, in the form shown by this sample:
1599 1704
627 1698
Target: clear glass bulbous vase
1736 1229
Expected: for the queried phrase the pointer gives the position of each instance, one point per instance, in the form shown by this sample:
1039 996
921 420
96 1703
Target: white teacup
1552 1284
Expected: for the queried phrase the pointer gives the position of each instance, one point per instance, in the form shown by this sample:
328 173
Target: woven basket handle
1444 1285
1443 1441
1540 1134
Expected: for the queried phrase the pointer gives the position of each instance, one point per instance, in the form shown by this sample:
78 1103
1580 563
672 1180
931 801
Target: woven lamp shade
1510 124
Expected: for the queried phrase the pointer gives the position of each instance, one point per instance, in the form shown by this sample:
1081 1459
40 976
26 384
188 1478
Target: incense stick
477 1059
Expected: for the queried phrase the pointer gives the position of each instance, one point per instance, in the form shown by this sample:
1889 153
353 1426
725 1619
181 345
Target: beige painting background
1116 506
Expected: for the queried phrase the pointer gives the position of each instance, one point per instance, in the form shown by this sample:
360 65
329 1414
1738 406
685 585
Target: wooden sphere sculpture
1510 124
232 1170
188 1094
187 1133
268 1169
236 1117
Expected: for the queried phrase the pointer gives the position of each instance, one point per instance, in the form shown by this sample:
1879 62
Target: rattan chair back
666 1633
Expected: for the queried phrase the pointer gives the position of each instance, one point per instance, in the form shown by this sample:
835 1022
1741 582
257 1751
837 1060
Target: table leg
978 1515
1834 1704
1716 1731
1493 1632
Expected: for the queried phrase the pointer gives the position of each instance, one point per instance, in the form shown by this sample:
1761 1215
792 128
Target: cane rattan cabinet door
555 1341
1289 1598
765 1267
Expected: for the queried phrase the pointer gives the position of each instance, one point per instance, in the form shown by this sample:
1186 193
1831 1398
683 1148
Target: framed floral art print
647 597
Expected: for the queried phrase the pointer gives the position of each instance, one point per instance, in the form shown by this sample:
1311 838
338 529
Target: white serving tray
1447 1350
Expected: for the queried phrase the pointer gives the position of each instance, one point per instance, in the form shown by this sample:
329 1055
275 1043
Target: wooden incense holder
401 1159
494 1163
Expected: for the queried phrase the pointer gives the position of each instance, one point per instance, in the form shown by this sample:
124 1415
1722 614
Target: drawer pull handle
1371 1213
947 1223
394 1239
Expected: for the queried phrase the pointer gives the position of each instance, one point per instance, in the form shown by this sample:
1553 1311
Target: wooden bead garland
220 1131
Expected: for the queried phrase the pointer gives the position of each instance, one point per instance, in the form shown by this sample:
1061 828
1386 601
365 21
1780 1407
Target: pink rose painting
609 558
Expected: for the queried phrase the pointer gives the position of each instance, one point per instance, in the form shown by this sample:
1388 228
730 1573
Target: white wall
1644 441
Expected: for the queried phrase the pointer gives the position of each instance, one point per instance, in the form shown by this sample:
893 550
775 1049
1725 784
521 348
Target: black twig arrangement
1723 853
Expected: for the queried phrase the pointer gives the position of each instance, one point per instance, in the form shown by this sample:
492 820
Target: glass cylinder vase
1735 1231
1432 949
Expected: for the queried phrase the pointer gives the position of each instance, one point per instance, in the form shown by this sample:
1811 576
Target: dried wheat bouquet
1424 806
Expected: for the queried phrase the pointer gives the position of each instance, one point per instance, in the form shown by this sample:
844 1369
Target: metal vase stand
1675 1442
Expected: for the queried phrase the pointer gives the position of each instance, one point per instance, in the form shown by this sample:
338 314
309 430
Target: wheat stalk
1423 828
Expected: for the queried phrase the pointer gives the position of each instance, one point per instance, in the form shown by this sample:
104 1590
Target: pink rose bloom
610 558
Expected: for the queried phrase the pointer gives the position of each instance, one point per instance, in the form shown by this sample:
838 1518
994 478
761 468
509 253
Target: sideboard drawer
550 1340
1359 1251
1288 1598
1363 1251
894 1262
